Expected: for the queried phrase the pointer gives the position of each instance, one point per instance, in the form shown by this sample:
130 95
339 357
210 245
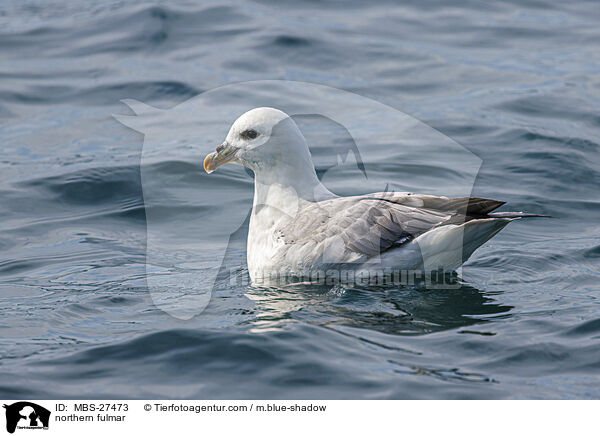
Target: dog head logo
26 415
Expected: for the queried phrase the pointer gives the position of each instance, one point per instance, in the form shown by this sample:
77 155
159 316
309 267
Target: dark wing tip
482 206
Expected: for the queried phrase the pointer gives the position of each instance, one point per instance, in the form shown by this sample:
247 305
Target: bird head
261 138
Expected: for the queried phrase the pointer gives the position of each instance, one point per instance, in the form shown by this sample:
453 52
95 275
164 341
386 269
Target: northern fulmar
298 226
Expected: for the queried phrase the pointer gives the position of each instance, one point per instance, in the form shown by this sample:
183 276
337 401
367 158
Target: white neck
286 186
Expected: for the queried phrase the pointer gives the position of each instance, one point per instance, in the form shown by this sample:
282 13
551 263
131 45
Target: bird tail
516 215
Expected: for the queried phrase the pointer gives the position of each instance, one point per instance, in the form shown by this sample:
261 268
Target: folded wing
354 229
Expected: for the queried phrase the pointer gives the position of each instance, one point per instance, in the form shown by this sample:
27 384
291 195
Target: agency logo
26 415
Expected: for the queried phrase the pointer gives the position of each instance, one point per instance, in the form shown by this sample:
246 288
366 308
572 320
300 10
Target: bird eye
249 134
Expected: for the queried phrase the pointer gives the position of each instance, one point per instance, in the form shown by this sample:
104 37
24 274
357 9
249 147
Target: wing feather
369 225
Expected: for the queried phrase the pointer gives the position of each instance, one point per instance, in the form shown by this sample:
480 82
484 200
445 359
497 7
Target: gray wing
365 226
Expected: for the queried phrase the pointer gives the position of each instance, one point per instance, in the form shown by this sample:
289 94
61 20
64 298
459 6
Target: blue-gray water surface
517 83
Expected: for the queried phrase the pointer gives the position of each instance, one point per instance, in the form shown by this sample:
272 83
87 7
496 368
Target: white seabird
298 226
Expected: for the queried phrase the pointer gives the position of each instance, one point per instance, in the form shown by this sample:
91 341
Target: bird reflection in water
404 310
